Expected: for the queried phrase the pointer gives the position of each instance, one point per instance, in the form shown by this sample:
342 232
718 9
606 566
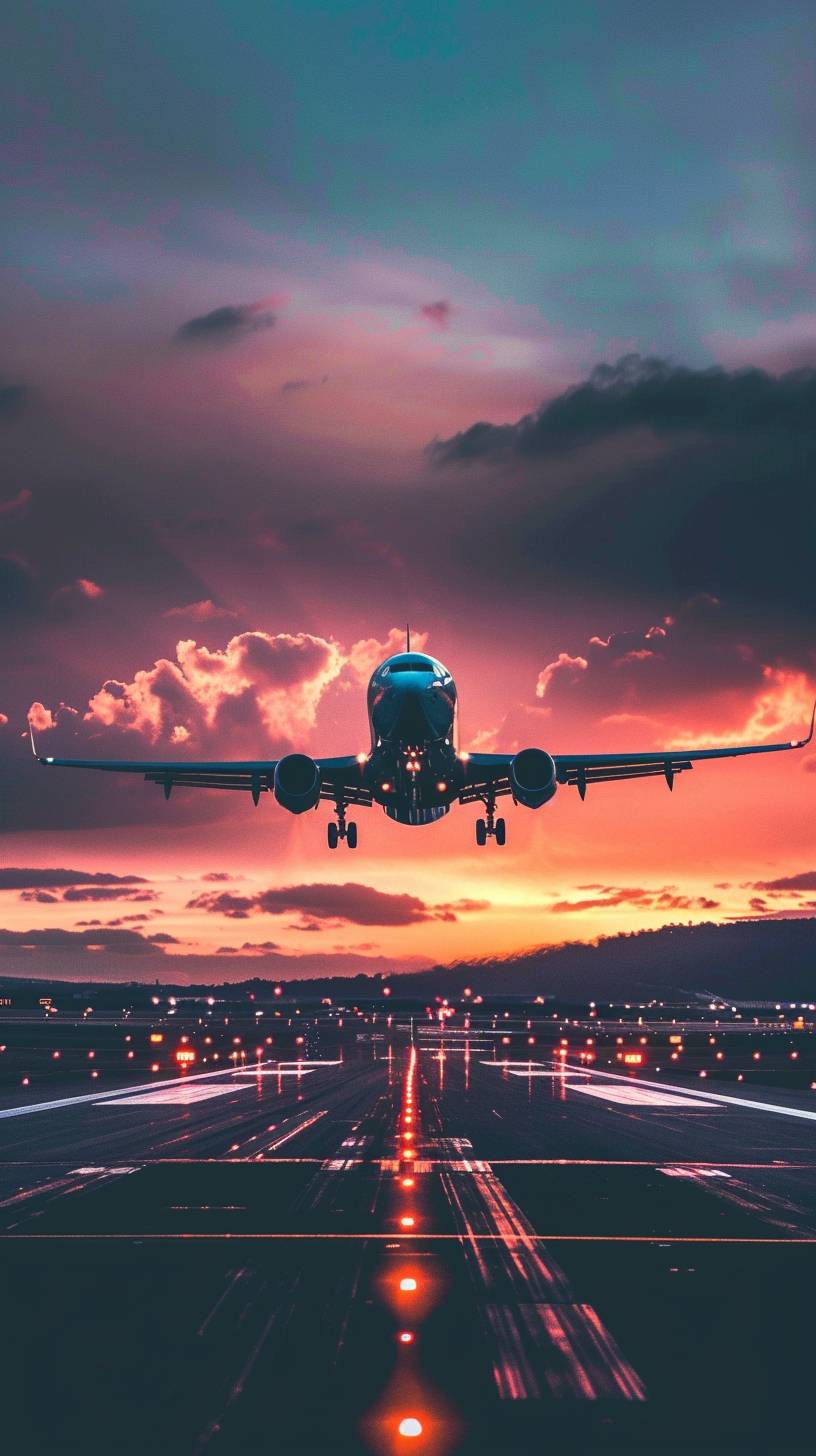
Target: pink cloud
438 313
563 664
204 611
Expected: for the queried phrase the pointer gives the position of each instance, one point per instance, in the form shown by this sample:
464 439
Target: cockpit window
412 664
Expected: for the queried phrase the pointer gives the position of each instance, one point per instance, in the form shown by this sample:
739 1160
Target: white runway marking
694 1172
107 1095
175 1095
534 1072
276 1072
743 1102
641 1097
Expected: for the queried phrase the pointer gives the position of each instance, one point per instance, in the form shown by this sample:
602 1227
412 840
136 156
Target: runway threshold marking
107 1093
637 1096
687 1093
173 1096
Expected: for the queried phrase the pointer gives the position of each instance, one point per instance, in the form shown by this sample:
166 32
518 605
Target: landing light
441 786
362 758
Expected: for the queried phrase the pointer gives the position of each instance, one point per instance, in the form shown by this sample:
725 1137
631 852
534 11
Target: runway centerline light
407 1221
410 1426
406 1337
408 1182
408 1284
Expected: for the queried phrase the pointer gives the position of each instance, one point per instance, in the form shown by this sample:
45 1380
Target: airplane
414 768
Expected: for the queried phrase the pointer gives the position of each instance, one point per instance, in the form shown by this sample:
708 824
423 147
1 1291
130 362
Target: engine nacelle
297 783
532 777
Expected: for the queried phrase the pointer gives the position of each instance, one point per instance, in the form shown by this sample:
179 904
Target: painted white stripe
175 1096
641 1097
107 1094
775 1107
276 1072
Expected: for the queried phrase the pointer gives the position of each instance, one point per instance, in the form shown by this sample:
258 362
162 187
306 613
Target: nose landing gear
341 830
490 828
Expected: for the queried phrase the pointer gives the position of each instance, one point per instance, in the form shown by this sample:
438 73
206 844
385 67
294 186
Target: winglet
31 736
805 741
407 637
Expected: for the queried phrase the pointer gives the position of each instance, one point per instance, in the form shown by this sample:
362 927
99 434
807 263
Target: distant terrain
752 959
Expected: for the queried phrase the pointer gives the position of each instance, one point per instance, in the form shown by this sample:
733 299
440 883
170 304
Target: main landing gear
490 828
341 830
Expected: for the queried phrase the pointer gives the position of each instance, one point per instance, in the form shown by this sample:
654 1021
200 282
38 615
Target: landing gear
490 828
341 830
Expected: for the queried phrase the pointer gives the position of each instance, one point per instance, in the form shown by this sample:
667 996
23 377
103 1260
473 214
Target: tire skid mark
545 1340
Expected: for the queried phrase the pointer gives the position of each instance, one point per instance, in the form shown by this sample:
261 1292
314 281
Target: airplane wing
255 776
491 770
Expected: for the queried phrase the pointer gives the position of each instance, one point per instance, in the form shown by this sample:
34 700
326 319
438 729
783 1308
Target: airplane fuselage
414 770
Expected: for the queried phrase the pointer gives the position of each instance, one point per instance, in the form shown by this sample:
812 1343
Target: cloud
805 880
15 504
665 898
14 878
637 393
438 313
369 652
295 386
265 685
221 325
204 611
249 947
562 664
14 398
17 585
348 903
121 942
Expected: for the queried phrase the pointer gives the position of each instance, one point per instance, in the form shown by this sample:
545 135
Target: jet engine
532 777
297 783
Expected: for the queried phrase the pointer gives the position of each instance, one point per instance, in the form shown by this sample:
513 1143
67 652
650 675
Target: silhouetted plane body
414 768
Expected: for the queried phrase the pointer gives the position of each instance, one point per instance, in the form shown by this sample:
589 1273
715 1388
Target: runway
400 1246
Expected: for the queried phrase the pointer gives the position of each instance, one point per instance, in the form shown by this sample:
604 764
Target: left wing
255 776
491 770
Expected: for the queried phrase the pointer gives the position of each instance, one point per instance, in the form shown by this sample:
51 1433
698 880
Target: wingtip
39 757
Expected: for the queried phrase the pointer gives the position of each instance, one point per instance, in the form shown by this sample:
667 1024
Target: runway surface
221 1262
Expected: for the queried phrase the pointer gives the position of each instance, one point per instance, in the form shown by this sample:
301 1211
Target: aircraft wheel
351 835
332 834
501 831
481 832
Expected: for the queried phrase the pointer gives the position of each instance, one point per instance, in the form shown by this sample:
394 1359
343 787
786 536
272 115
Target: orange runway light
633 1059
410 1426
408 1284
408 1182
406 1337
407 1221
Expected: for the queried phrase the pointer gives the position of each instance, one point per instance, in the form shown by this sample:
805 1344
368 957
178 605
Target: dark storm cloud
14 399
351 903
17 586
13 878
640 393
221 325
651 481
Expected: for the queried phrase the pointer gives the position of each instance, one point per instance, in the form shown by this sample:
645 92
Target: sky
499 319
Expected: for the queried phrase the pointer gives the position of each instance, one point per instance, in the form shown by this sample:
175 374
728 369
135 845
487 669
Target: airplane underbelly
409 814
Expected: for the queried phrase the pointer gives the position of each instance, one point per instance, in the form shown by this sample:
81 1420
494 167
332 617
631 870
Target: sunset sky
265 269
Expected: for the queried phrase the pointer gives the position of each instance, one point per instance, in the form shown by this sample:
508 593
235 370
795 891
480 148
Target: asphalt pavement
407 1246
